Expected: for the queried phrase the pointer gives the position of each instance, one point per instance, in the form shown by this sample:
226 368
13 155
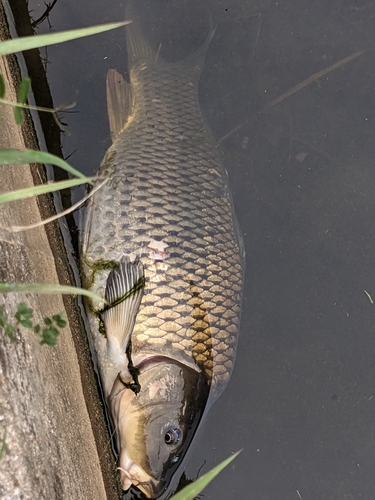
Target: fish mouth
128 480
132 474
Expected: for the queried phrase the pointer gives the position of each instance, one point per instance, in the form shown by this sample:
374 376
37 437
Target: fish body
160 244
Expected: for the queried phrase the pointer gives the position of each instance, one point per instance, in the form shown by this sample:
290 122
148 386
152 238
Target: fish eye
173 436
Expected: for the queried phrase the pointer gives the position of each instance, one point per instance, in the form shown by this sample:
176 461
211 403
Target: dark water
301 401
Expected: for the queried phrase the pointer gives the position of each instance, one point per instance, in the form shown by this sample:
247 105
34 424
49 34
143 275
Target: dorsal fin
123 294
120 102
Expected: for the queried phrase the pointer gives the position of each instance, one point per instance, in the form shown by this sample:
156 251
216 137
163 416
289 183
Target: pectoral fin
120 102
123 294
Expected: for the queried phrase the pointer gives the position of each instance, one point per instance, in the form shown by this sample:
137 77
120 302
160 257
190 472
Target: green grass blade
192 490
23 90
47 289
18 115
43 188
33 42
14 157
2 87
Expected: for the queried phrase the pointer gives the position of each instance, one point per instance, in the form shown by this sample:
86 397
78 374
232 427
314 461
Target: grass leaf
2 87
48 289
192 490
23 90
14 156
42 189
32 42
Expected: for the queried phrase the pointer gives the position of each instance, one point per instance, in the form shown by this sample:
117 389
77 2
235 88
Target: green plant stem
18 157
42 189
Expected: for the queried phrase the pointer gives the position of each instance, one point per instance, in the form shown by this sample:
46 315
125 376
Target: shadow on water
301 400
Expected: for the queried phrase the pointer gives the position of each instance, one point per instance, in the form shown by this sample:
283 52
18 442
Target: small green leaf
23 313
23 90
22 94
2 449
28 314
26 323
24 310
2 87
47 339
36 329
59 320
192 490
49 336
2 322
54 331
9 330
18 115
48 321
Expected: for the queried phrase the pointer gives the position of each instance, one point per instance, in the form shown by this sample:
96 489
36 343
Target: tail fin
147 17
137 45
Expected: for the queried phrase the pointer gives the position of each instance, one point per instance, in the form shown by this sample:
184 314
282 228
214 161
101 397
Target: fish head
154 428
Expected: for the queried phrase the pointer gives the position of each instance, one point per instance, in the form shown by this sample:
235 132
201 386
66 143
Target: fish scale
167 183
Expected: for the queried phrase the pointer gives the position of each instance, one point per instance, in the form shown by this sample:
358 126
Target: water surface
301 401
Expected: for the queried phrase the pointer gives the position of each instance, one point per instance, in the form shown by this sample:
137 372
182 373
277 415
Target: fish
160 244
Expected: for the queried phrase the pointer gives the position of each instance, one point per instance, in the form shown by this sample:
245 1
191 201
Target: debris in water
159 248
